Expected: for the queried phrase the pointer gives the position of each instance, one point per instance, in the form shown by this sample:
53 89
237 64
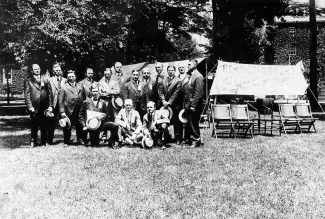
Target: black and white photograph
162 109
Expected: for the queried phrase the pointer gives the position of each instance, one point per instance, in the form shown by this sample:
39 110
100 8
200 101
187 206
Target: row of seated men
49 99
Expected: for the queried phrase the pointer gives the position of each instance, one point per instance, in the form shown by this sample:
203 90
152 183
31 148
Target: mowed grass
263 177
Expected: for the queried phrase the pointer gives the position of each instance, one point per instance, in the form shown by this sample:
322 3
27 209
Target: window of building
292 50
292 30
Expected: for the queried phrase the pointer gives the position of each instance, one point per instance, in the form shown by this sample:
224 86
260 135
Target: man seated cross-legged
155 124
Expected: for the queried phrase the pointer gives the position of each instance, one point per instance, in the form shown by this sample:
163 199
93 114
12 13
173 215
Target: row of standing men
64 97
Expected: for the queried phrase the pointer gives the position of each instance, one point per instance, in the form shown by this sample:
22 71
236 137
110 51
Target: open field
264 177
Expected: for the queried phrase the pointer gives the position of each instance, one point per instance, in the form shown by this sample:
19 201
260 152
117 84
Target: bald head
118 67
36 69
159 68
146 73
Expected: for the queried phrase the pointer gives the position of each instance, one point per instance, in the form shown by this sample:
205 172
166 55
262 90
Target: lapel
133 86
172 81
55 82
165 83
35 83
74 90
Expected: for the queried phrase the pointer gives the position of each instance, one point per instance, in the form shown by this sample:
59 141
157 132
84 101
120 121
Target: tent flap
246 79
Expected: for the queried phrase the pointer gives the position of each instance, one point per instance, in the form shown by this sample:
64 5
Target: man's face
150 108
171 72
89 73
118 67
146 74
107 75
159 69
57 71
135 76
181 69
128 106
71 77
191 64
36 70
95 93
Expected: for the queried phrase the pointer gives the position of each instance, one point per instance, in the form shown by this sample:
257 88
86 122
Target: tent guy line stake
316 99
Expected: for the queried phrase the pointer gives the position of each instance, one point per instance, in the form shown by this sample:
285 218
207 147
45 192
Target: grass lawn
264 177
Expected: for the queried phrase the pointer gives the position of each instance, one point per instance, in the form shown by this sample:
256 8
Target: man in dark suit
182 77
55 84
98 105
133 91
147 89
70 100
87 83
169 91
193 102
37 101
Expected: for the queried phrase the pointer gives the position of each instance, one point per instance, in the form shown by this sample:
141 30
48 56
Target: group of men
130 109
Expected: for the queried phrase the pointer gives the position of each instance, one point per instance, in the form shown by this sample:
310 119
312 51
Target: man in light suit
119 78
129 123
55 84
70 100
98 105
169 91
193 102
133 91
155 124
37 100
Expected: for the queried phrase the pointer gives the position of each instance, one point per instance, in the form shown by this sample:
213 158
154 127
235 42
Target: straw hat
117 103
48 113
93 122
147 142
169 109
183 116
65 122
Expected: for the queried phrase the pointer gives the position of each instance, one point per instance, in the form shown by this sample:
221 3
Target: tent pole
316 99
206 80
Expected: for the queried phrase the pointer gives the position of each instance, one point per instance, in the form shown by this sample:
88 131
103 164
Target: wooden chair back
239 112
221 111
287 110
303 110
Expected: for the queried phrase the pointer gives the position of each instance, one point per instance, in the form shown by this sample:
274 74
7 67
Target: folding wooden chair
267 124
289 119
303 111
221 120
240 115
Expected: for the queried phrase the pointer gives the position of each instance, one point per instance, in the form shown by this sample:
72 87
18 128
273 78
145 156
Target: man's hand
50 109
32 110
84 128
101 117
165 103
128 127
192 109
63 115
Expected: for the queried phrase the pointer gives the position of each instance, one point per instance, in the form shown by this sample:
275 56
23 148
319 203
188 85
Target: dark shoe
80 141
195 144
116 145
159 143
179 142
163 147
65 145
32 145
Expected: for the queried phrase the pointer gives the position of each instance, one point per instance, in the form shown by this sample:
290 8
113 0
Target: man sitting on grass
155 124
130 124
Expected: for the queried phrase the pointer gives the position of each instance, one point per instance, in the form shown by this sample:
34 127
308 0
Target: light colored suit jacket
157 117
54 89
133 120
112 87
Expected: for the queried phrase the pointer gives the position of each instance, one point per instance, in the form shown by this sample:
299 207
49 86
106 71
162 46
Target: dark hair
171 66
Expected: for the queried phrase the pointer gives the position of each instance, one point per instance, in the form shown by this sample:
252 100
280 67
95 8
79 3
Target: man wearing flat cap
155 124
129 123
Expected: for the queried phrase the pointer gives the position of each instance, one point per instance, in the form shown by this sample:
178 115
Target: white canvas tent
246 79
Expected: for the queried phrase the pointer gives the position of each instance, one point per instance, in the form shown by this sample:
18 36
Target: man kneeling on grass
129 123
155 124
94 104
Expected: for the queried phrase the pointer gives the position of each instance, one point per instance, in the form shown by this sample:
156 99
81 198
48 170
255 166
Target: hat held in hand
93 123
65 122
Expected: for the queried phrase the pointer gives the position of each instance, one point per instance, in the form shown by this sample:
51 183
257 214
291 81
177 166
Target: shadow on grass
16 123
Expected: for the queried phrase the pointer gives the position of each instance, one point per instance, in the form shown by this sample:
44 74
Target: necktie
59 83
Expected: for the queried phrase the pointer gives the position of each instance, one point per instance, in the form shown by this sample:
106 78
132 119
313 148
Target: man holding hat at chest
92 115
155 124
70 100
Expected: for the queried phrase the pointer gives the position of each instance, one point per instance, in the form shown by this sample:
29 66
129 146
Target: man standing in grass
159 78
55 84
87 82
194 91
70 100
36 89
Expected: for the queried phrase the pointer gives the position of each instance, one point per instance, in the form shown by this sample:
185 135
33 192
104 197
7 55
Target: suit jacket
147 93
108 88
133 120
86 87
54 88
88 104
70 97
193 90
169 91
155 85
120 81
157 117
133 92
37 93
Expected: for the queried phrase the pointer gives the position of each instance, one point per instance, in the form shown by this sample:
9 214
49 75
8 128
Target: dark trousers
38 121
178 126
113 128
94 137
74 122
159 133
52 122
193 126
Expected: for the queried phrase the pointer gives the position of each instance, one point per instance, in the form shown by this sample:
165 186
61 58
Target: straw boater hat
65 122
183 116
147 142
117 103
48 113
169 109
92 122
